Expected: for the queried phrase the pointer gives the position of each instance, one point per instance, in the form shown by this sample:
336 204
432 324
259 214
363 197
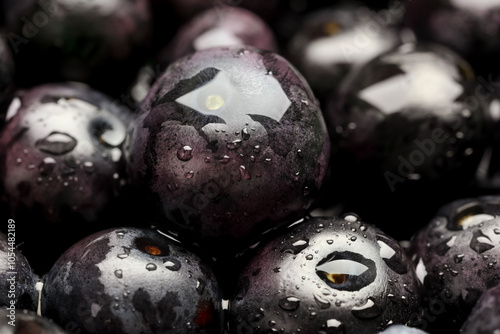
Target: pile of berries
239 167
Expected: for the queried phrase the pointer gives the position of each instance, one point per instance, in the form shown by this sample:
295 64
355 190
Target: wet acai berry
457 258
27 322
407 129
130 280
327 275
335 40
101 43
484 315
230 141
471 28
61 165
228 26
17 279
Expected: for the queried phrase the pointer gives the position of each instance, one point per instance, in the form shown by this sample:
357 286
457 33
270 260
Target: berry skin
456 258
337 275
335 41
17 279
131 280
229 26
230 141
484 315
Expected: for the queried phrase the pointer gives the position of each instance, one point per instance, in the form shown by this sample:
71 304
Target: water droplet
362 228
225 159
289 303
268 161
350 217
245 174
353 238
277 269
458 258
172 264
200 286
329 241
256 317
323 304
56 143
481 242
125 254
256 149
47 166
272 323
334 327
119 273
120 234
496 231
88 166
309 257
296 247
151 266
233 145
208 160
185 153
189 175
245 134
369 310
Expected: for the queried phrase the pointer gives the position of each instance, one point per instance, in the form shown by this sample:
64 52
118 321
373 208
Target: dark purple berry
334 41
230 141
331 275
17 279
484 315
129 280
228 26
457 258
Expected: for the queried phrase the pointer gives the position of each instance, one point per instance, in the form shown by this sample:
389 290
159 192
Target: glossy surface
126 280
335 40
338 275
457 256
231 141
6 77
471 28
408 122
484 316
215 27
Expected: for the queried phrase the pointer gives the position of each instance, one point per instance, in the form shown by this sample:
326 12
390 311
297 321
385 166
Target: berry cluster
238 167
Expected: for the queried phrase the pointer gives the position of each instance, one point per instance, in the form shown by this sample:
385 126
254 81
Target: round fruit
61 166
17 280
61 151
410 131
484 316
471 28
130 280
228 26
336 40
337 275
101 42
457 258
231 142
26 322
